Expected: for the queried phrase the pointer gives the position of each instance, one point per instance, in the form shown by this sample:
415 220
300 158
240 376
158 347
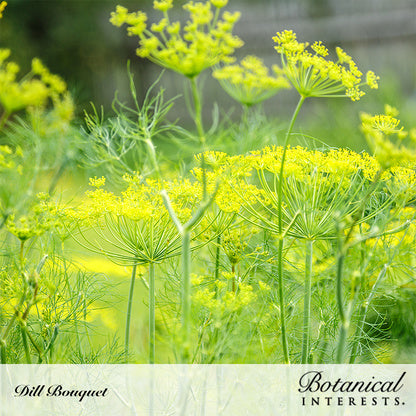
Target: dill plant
309 246
313 76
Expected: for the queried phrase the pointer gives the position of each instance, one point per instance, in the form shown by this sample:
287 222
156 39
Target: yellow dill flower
250 81
34 91
163 5
219 4
3 5
205 40
320 188
41 217
135 226
386 138
97 182
314 76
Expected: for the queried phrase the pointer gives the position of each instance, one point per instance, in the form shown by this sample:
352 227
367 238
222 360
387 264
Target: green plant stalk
128 318
342 313
152 306
185 232
307 301
217 262
200 129
186 295
363 314
23 329
3 119
281 241
342 251
153 159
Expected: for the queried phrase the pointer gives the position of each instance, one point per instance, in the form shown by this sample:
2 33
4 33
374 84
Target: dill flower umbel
250 81
33 91
387 139
315 76
204 41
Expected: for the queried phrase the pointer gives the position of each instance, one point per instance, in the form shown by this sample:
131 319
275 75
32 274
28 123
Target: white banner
207 390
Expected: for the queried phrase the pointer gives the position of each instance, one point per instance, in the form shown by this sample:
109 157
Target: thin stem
186 294
198 110
307 301
3 119
342 252
153 158
8 328
152 327
128 318
364 310
217 262
23 329
282 162
281 241
342 314
200 128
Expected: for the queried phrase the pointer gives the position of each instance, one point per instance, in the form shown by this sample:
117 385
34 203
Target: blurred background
75 39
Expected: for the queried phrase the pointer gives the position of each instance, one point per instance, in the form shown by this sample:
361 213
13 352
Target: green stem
128 319
363 315
217 263
153 158
23 329
307 301
8 328
198 110
3 119
152 327
200 129
342 251
281 242
342 314
186 294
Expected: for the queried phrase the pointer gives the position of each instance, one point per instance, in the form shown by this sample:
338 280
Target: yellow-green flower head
205 40
33 91
219 4
250 81
163 5
315 76
3 5
385 136
41 217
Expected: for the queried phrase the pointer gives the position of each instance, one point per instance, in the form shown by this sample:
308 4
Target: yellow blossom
250 81
205 40
314 76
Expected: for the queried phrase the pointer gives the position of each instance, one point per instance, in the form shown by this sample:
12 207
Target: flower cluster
250 81
32 91
315 76
206 39
42 216
386 138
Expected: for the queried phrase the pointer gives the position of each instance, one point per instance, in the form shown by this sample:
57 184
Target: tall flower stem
128 318
217 262
280 227
185 231
200 129
345 315
307 301
342 313
152 326
364 312
186 294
